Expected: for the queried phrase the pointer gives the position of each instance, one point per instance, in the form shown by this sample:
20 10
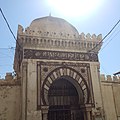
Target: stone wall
111 96
10 99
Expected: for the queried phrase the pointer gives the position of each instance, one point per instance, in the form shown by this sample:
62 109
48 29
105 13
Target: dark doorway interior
63 101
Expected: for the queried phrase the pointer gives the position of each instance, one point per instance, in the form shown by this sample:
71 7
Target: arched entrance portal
65 95
63 101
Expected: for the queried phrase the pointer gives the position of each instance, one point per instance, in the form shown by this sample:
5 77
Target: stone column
84 115
87 112
88 115
24 91
45 112
45 115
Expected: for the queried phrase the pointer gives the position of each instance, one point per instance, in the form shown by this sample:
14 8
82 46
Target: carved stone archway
72 76
77 74
74 79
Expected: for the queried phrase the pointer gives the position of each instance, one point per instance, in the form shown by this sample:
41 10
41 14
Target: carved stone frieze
59 43
59 55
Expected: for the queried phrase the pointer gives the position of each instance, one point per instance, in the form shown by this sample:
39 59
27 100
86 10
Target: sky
91 17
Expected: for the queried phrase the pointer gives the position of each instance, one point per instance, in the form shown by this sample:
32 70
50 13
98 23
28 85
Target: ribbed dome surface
53 24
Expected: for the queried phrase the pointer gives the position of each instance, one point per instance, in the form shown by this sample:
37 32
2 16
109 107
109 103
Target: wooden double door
59 114
64 113
64 101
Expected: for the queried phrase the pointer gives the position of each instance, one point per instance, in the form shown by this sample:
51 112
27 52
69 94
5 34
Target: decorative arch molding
69 74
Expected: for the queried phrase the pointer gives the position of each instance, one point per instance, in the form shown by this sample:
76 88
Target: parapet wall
54 34
109 78
54 40
10 81
110 88
10 98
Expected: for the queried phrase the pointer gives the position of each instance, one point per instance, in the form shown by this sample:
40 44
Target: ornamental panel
59 55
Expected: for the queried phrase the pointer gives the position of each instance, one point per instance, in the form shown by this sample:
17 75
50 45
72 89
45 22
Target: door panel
63 101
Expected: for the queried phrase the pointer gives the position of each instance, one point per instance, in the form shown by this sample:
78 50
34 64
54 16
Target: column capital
86 107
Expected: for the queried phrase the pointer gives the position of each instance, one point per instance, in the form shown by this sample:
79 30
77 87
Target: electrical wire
88 51
105 36
105 72
10 48
7 24
19 47
6 65
110 40
9 27
112 34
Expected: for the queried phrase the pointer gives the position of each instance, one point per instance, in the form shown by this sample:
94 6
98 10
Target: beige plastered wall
29 91
111 99
10 101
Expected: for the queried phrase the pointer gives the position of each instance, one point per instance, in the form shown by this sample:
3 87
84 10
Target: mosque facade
57 76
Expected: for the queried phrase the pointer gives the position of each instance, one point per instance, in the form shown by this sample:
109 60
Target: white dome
53 24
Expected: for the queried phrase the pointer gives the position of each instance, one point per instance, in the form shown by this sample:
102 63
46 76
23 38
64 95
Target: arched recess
63 93
71 75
